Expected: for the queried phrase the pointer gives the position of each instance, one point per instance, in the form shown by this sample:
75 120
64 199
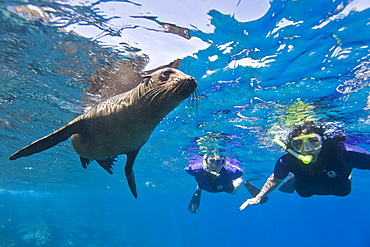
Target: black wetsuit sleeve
358 157
281 170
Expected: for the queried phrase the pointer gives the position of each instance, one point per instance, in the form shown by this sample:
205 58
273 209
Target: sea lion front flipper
131 156
107 164
84 162
48 141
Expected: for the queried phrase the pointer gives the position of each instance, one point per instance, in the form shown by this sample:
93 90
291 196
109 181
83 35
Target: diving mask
306 159
215 162
307 143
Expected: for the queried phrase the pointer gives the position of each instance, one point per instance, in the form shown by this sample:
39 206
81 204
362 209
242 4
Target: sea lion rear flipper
107 164
130 172
48 141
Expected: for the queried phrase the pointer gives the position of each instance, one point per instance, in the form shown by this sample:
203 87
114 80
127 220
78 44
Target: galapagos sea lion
122 124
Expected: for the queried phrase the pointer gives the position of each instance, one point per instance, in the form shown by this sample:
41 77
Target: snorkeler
215 173
320 165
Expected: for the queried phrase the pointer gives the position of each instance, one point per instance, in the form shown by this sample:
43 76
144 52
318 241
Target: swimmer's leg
253 190
195 201
288 185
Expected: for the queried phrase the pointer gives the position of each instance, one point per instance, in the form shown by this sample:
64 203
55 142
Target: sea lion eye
167 73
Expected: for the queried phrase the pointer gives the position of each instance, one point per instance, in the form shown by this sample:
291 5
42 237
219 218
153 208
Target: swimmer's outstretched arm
268 187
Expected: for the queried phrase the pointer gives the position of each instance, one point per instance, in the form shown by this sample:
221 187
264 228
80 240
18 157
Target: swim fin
253 190
195 201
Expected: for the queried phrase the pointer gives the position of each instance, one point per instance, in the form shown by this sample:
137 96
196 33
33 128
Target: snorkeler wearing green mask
319 165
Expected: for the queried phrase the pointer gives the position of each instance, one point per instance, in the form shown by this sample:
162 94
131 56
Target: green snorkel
306 159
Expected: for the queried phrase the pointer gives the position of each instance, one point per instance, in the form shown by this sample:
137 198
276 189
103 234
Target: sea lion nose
191 83
190 79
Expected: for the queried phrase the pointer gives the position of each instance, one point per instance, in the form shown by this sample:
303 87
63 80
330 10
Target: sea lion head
168 85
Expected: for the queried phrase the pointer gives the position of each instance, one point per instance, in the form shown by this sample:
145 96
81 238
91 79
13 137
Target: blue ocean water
256 73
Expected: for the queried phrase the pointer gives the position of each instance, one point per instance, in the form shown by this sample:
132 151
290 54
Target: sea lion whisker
160 93
150 95
157 95
163 94
197 98
193 100
151 90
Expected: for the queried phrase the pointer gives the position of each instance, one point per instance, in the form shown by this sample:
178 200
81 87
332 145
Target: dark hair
306 128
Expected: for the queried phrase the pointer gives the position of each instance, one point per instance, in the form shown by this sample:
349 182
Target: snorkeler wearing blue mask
215 173
318 165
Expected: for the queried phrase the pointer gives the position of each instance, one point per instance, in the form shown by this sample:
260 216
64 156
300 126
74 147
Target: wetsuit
330 174
230 171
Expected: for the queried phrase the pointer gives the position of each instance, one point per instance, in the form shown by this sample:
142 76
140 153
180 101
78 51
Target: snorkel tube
306 159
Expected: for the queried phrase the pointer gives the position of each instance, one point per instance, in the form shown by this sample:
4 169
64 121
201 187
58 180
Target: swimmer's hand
252 201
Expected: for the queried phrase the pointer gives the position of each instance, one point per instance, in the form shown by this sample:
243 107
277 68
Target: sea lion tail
130 172
48 141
